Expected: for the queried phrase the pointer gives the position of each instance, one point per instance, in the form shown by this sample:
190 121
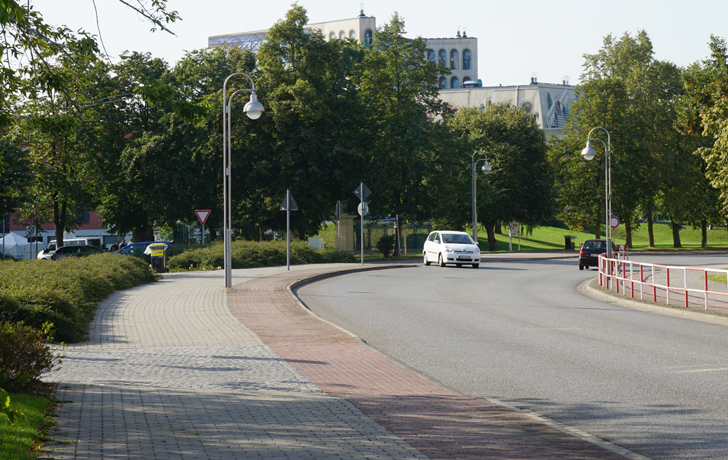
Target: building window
431 55
368 37
454 82
443 82
454 58
527 106
332 35
442 56
352 35
467 60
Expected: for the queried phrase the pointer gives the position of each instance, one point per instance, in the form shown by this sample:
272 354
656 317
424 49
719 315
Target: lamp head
253 109
486 167
588 152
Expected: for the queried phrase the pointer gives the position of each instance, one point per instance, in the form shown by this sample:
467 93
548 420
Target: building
459 53
461 88
550 102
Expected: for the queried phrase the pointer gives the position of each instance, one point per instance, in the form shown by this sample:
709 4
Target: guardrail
687 284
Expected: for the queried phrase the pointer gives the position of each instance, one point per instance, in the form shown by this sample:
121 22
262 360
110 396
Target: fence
413 238
672 285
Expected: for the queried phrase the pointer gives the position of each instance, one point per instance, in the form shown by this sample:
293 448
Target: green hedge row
65 292
250 254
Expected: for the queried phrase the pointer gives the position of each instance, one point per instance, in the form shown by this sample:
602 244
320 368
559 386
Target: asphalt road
520 332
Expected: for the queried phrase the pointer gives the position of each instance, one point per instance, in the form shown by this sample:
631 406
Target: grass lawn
22 439
552 238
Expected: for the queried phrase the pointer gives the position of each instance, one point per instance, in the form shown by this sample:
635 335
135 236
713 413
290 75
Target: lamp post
253 109
486 169
588 153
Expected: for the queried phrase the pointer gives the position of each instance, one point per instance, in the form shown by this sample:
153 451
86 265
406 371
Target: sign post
289 204
362 191
202 215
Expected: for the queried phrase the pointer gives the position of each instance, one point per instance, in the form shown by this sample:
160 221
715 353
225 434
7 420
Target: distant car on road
75 251
451 247
590 250
137 249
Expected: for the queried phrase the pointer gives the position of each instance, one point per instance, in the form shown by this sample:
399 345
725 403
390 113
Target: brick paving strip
430 418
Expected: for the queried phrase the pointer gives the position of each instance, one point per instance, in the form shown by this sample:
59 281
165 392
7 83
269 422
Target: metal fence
411 241
671 285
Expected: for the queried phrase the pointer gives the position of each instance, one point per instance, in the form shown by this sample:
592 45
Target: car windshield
456 239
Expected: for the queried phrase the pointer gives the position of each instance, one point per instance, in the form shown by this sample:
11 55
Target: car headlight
448 249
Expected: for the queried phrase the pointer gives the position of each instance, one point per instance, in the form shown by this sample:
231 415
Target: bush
252 254
24 356
385 244
65 292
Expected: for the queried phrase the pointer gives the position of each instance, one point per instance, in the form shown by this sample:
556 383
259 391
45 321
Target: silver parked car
451 247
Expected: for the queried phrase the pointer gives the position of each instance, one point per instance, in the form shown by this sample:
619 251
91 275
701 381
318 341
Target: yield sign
202 215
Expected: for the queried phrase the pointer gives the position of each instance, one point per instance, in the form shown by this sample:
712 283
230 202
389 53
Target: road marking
705 370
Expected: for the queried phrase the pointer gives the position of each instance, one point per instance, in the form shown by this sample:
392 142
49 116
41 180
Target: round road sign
363 209
614 221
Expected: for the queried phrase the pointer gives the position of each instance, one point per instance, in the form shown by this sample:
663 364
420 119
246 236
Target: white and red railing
664 283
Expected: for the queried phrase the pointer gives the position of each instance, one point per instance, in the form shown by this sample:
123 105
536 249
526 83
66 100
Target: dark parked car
590 250
74 251
137 249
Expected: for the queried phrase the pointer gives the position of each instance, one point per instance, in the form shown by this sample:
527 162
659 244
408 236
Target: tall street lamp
486 169
253 109
588 153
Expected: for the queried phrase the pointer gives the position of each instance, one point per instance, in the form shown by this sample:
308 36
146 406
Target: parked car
451 247
137 249
47 252
75 251
590 250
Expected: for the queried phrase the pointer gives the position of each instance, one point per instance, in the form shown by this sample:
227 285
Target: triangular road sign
202 215
292 206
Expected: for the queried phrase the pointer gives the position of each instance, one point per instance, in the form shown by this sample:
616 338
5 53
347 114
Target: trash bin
158 254
569 242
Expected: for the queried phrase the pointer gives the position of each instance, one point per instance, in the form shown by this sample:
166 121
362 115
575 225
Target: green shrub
385 244
253 254
24 356
65 292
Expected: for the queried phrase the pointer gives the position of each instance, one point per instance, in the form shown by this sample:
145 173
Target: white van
48 251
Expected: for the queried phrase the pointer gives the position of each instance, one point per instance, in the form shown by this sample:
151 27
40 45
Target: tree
630 94
310 139
398 87
702 114
520 185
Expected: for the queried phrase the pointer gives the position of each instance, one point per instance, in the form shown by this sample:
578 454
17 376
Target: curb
592 289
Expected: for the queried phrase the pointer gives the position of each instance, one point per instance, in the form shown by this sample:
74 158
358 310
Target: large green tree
311 137
398 87
631 95
520 185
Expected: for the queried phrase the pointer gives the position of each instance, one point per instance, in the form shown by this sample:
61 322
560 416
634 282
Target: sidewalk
182 369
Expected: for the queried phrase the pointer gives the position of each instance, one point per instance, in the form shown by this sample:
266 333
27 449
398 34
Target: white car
450 247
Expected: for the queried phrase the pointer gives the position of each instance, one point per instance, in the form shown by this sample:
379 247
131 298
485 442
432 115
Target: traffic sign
363 208
291 205
30 231
362 191
202 215
614 221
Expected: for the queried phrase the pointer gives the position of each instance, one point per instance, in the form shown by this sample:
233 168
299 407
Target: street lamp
253 109
588 153
486 169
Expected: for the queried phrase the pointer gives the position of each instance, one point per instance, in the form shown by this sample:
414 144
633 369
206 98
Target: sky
517 40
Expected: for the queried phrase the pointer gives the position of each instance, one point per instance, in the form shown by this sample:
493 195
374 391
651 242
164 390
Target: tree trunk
498 228
628 229
650 231
675 235
704 234
598 230
490 230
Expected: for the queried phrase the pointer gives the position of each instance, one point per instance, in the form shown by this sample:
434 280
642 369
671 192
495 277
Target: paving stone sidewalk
183 369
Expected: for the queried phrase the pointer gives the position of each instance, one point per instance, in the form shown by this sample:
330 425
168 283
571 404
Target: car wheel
476 265
424 257
440 260
581 267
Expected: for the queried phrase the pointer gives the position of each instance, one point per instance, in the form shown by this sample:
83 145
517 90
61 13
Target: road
521 332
